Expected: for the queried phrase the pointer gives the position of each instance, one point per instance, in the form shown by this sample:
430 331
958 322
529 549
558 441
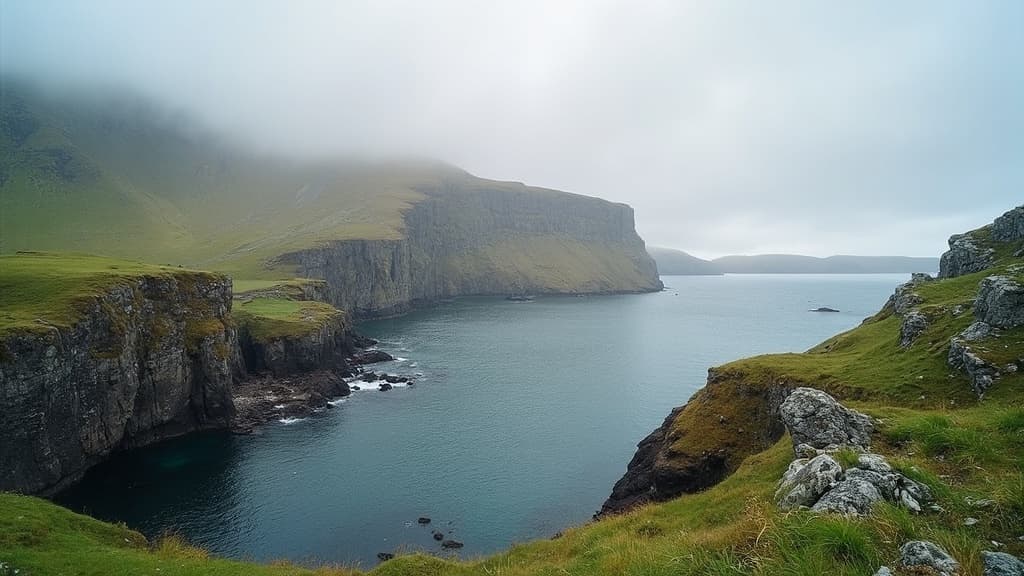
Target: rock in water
452 544
853 496
438 535
805 485
923 554
423 520
815 418
384 556
1002 564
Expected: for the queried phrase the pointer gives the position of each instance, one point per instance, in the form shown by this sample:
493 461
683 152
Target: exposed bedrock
701 443
477 241
148 359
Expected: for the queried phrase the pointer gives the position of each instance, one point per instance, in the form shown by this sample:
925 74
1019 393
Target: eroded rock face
1000 302
965 256
457 241
701 443
924 554
148 360
817 419
980 373
1010 226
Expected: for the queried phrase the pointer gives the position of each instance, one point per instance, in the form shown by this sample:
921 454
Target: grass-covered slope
108 174
39 290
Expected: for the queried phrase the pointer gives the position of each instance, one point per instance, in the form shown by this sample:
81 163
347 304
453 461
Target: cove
523 417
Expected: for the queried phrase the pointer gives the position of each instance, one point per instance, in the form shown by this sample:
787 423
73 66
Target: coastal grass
39 290
268 319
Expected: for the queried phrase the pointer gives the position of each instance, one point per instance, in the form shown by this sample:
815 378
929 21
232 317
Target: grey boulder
852 496
1000 302
817 419
914 323
924 554
1001 564
805 484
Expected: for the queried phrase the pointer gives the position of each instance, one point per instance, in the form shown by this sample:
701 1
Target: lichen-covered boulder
883 571
924 554
817 419
1000 302
852 496
804 485
1001 564
913 324
873 462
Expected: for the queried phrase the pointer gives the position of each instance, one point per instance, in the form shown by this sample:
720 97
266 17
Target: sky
859 127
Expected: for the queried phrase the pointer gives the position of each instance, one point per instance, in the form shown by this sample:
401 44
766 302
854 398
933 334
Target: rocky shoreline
263 398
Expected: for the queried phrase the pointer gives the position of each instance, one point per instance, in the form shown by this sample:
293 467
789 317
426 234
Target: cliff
89 173
473 237
98 355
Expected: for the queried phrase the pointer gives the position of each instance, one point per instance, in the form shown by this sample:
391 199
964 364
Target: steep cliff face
702 442
318 337
473 239
146 358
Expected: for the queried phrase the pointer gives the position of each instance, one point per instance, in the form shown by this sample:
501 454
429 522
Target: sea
522 417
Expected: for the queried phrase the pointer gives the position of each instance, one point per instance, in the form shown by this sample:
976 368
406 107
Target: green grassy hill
109 174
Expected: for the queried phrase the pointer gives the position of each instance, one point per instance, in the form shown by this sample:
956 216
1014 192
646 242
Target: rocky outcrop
701 443
479 240
966 255
149 358
999 305
816 419
263 398
1010 226
1000 302
324 345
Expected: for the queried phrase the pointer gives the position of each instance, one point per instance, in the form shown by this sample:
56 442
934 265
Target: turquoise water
523 417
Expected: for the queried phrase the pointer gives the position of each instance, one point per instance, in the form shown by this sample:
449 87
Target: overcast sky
815 127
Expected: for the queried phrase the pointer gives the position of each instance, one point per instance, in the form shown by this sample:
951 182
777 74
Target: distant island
673 262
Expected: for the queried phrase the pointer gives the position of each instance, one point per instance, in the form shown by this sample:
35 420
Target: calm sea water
523 417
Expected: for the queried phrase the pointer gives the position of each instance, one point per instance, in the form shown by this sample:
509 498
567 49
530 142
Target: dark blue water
523 417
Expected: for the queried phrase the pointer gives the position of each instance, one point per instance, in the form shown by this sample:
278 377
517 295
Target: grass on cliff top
269 319
39 289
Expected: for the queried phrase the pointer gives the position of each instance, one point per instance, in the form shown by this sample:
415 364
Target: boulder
423 520
964 256
1001 564
980 373
883 571
437 535
852 496
805 484
452 544
1010 226
873 462
883 482
1000 302
384 556
923 554
976 331
384 387
817 419
914 323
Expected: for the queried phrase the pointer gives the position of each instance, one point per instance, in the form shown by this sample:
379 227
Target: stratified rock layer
148 359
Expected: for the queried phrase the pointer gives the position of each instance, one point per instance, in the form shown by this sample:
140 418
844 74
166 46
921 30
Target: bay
523 417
